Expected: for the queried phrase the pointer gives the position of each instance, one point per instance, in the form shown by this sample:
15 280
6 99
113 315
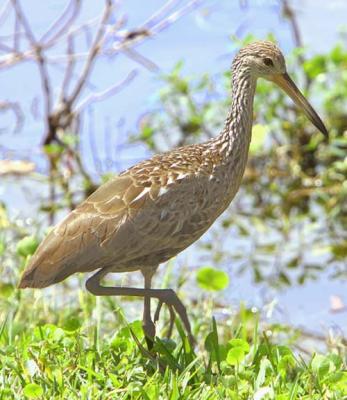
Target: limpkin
157 208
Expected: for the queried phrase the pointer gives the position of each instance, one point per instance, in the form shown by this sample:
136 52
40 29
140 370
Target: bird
157 208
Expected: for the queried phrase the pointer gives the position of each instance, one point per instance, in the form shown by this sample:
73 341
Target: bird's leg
157 311
170 298
172 321
167 296
172 317
147 323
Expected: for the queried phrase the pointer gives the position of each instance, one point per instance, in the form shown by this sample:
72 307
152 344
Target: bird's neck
233 142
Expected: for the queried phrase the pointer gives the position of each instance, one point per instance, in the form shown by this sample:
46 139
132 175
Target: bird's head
264 59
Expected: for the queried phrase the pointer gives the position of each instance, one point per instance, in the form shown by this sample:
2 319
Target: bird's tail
41 272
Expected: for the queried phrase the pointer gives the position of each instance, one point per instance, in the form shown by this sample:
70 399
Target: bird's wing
79 239
125 217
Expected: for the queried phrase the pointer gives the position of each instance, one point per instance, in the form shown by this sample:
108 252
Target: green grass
85 349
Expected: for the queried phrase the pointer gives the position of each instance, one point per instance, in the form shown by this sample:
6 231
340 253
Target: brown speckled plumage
157 208
140 218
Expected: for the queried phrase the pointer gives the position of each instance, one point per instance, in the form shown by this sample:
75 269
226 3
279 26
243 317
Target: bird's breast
184 217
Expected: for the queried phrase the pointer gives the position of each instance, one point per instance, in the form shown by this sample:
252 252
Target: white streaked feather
182 175
163 214
170 180
141 194
162 191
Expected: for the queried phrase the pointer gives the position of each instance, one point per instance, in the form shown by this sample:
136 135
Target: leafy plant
212 279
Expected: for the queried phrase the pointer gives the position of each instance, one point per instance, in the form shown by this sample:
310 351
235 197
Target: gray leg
147 323
170 298
167 296
172 317
172 321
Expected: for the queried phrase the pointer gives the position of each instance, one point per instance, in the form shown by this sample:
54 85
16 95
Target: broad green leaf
239 343
169 344
212 279
320 364
6 289
27 246
72 323
53 148
33 391
235 356
209 345
147 132
337 55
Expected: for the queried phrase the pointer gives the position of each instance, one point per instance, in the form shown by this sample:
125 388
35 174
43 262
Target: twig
140 59
69 68
162 11
17 111
4 11
7 49
16 38
155 29
24 22
99 96
64 114
96 46
191 5
289 14
59 25
39 55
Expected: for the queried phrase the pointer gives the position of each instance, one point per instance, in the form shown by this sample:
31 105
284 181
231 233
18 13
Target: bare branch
69 69
162 11
16 110
39 55
16 37
191 5
45 81
77 30
140 59
14 58
96 46
4 11
99 96
156 28
289 13
124 42
59 26
63 114
6 49
23 21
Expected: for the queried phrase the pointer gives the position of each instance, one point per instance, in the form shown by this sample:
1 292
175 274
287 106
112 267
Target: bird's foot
170 298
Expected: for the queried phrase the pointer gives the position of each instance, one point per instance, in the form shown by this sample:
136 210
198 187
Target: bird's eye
267 61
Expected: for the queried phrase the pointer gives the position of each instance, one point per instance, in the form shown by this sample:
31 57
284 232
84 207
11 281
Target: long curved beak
285 82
